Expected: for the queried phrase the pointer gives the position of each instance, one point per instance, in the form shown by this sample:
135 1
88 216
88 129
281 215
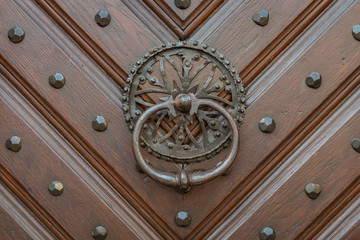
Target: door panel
274 61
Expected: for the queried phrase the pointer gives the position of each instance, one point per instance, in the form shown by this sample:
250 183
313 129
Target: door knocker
184 103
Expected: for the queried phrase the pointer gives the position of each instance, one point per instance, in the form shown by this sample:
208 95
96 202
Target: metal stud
355 143
313 80
16 34
182 4
14 143
261 17
267 125
99 123
99 233
102 18
57 80
182 219
56 188
356 31
313 190
267 233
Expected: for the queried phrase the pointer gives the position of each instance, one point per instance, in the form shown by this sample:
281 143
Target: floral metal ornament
184 103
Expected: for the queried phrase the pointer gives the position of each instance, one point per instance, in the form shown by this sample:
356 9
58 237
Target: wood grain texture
183 22
346 225
250 47
293 119
85 194
31 79
16 221
280 201
273 60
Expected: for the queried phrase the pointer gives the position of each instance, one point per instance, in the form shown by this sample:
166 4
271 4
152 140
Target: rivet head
267 233
102 18
261 17
182 4
99 233
56 188
313 80
99 124
356 31
355 143
14 143
16 34
267 125
313 190
57 80
182 219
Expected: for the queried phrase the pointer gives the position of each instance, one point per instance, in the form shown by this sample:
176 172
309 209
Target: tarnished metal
355 143
356 31
267 125
313 190
16 34
182 4
99 123
267 233
102 18
99 233
56 188
313 80
57 80
191 116
14 143
261 17
182 219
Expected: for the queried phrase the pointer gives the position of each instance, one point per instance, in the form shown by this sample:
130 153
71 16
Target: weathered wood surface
301 37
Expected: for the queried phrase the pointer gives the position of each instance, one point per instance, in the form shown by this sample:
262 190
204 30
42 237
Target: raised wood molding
346 225
183 28
343 117
23 220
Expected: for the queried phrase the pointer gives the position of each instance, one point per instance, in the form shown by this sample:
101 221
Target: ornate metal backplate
179 76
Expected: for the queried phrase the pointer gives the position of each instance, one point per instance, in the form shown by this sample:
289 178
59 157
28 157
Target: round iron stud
356 31
183 219
14 143
56 188
313 80
182 4
99 123
267 125
57 80
102 18
313 190
99 233
16 34
261 17
267 233
355 143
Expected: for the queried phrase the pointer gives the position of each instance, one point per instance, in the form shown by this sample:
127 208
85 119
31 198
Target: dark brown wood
16 221
98 167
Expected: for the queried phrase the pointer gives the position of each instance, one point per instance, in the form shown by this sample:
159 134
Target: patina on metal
355 143
16 34
261 17
102 18
313 80
184 103
57 80
56 188
267 233
99 233
14 143
182 219
182 4
313 190
356 31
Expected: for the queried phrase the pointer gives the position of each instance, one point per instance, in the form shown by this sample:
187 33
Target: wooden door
315 140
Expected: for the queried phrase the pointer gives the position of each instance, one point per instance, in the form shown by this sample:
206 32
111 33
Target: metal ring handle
183 179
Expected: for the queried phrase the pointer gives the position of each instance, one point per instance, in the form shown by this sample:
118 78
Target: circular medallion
182 73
